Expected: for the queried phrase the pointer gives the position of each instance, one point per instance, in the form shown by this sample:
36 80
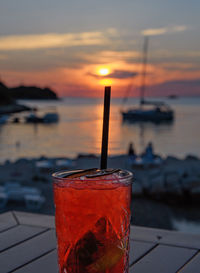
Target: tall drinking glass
93 220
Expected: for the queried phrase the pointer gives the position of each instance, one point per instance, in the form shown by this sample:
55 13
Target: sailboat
153 111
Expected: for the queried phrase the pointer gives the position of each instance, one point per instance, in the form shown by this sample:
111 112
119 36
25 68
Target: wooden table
28 245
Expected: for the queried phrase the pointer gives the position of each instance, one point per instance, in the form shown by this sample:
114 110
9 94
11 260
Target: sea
79 130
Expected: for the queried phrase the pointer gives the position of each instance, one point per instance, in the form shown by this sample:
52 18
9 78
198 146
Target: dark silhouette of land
32 92
25 92
8 97
5 98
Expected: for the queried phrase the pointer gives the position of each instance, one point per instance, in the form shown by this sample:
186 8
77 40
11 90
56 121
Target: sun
104 71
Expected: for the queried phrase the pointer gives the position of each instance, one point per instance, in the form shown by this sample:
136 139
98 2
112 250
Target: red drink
93 221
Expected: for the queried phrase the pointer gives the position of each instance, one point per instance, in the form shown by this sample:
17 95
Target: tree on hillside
5 98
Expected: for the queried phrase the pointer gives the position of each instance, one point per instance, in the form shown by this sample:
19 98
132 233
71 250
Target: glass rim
57 176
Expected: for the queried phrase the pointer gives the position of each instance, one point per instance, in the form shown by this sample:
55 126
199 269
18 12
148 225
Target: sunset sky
76 47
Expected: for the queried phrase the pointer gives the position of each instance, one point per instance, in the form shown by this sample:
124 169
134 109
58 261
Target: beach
166 206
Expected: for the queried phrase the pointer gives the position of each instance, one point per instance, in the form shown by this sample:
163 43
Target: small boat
33 118
172 97
50 117
156 112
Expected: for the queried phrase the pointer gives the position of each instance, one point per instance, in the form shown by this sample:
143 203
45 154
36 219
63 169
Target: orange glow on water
106 82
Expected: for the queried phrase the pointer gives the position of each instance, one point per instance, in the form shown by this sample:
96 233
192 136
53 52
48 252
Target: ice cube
79 173
103 230
101 173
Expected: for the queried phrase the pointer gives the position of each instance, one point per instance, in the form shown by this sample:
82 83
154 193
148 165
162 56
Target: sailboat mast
144 64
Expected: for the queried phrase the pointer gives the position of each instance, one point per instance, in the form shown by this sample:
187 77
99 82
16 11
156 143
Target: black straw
104 147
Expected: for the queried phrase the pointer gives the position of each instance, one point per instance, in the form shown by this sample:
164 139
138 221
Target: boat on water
160 112
148 111
172 97
50 117
33 118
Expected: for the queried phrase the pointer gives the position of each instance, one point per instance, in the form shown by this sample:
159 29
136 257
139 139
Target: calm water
80 127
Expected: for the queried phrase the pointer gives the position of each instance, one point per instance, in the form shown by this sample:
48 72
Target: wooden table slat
7 221
167 237
34 219
18 234
27 251
139 249
182 240
45 264
193 266
165 259
147 234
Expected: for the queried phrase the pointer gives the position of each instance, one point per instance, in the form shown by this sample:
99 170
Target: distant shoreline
132 97
10 94
13 108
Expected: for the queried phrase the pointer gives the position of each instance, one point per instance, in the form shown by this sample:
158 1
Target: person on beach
131 153
148 155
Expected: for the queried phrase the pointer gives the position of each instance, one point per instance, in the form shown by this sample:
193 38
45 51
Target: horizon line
137 97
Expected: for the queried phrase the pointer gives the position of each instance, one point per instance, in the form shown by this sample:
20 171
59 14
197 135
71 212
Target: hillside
5 99
32 92
8 104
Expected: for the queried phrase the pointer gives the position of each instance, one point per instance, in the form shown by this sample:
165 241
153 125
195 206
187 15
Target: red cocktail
93 220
